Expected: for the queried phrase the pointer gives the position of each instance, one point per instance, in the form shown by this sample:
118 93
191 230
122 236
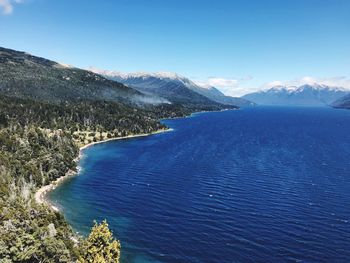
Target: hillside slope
47 111
27 76
216 95
170 86
343 102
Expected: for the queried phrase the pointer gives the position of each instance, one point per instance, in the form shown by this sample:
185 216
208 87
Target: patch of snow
299 89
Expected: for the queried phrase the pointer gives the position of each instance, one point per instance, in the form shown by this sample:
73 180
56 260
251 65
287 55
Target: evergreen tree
100 246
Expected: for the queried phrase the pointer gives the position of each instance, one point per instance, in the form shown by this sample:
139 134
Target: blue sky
238 46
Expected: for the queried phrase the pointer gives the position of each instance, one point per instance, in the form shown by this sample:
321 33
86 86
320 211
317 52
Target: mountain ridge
27 76
343 102
304 95
170 86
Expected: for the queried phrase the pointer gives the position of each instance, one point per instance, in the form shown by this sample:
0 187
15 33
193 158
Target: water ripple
255 185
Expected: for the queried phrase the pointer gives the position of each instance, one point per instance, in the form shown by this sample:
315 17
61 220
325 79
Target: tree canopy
100 246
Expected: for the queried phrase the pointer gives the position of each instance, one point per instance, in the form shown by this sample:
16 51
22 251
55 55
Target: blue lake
254 185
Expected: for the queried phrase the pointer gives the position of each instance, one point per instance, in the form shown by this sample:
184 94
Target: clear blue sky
247 42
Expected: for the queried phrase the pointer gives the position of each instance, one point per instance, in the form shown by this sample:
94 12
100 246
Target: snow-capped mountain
305 95
175 88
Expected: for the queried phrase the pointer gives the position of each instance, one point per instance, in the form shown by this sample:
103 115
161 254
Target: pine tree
100 246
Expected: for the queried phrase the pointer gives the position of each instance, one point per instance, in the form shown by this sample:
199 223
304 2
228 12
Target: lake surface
253 185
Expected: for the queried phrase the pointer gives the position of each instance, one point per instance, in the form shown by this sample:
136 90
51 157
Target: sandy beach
40 195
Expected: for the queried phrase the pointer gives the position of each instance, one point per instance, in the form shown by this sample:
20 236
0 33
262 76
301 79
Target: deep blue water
253 185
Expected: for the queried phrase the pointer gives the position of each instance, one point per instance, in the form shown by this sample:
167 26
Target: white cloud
273 84
6 6
222 83
340 81
229 86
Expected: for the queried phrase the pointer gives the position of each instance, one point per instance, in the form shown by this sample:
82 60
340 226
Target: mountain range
305 95
173 87
30 77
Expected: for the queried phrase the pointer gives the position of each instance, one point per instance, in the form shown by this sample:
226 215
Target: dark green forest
39 143
48 111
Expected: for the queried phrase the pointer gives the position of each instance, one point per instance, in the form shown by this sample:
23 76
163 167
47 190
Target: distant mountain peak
173 86
206 86
160 75
163 76
293 88
310 94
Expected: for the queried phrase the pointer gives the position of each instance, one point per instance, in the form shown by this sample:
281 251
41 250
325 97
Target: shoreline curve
40 195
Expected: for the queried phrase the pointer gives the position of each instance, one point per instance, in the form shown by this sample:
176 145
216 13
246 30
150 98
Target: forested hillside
39 143
30 157
79 118
27 76
48 111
